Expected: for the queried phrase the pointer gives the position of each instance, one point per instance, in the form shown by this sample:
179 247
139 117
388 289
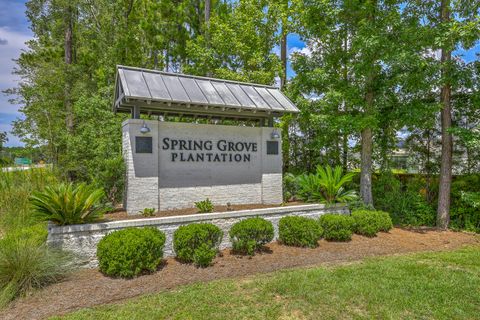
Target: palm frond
68 204
326 185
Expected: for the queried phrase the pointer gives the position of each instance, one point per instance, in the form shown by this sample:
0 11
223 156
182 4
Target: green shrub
405 202
68 204
250 235
290 186
148 212
131 251
197 243
109 174
338 227
299 231
204 255
37 233
385 223
367 222
204 206
16 187
26 263
370 222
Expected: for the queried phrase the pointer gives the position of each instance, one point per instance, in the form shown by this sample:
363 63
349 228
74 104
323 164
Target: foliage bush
337 227
148 212
26 263
465 208
131 251
197 243
370 222
290 186
250 235
385 222
109 175
404 201
204 255
204 206
327 185
16 188
66 204
299 231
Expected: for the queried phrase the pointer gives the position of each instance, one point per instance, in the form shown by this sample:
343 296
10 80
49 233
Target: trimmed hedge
385 221
370 222
250 235
197 243
299 231
366 222
131 251
337 227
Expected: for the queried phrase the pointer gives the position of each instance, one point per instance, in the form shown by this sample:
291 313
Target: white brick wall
272 185
171 198
141 192
83 239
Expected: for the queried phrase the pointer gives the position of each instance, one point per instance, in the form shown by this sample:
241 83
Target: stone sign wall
176 164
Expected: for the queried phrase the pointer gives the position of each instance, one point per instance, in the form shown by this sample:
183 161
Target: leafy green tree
361 74
451 25
3 139
240 46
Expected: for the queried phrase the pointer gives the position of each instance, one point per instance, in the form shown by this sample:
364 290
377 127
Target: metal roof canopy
154 92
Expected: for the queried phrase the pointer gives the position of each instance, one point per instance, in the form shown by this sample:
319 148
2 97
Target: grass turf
441 285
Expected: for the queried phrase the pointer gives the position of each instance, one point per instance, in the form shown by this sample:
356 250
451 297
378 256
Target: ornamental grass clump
66 204
197 243
129 252
251 235
27 263
299 231
337 227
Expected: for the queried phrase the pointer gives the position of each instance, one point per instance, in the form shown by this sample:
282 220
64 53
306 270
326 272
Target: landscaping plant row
133 251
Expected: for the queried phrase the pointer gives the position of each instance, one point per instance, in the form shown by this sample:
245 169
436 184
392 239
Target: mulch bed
122 215
88 288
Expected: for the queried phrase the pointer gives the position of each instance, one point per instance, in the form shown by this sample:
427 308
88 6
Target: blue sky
14 32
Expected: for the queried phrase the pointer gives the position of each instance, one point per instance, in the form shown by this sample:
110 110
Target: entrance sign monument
171 165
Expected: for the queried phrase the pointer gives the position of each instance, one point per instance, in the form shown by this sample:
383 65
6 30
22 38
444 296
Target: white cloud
305 51
14 43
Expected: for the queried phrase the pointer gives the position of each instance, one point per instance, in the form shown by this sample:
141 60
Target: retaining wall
83 239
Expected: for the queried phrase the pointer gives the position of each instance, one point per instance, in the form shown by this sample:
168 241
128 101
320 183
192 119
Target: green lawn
442 285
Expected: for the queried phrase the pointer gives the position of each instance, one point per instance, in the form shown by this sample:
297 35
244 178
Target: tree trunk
366 167
207 14
367 133
207 30
283 57
68 46
344 104
443 211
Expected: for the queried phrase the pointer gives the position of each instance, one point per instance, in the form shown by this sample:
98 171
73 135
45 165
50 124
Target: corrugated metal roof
155 90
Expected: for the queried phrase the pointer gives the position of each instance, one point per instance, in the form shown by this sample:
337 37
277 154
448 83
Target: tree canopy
376 75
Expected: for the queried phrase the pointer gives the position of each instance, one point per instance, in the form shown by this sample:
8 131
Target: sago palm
68 204
327 185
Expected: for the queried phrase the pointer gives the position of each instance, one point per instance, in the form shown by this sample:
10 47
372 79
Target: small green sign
22 161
